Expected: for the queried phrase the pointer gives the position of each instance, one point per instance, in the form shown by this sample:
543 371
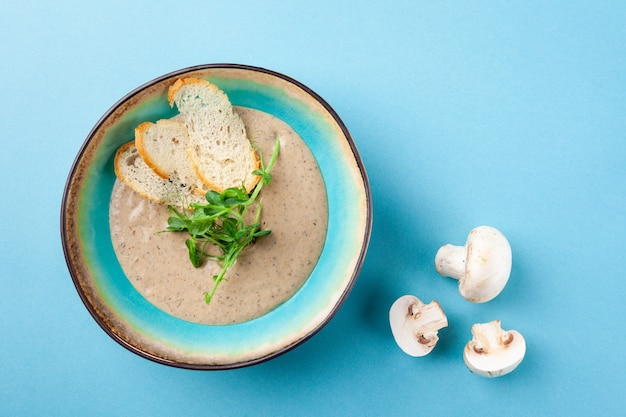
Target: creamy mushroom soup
265 275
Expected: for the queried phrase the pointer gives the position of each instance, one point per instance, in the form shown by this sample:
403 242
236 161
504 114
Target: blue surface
508 114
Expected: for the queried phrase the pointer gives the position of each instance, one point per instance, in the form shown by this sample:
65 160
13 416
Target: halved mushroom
482 266
492 351
415 325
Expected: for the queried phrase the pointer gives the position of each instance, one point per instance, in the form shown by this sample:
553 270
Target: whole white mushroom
482 266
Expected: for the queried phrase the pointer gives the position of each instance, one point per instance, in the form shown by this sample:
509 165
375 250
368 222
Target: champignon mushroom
415 325
482 266
492 351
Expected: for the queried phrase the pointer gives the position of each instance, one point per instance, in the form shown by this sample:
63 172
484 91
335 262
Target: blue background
510 114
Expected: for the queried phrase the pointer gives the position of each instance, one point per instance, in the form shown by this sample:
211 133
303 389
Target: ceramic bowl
136 324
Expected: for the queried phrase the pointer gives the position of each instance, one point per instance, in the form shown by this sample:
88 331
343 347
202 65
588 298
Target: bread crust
140 132
119 172
118 158
174 88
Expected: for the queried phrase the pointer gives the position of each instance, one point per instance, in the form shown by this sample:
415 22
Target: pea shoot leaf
222 222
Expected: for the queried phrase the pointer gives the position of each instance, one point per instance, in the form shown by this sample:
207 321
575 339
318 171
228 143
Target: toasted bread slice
218 146
132 170
163 147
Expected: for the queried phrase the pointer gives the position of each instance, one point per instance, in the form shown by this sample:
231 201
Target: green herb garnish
221 222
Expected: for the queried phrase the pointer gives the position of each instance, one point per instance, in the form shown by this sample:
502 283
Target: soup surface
295 209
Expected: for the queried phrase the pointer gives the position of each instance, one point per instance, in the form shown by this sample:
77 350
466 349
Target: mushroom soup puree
265 275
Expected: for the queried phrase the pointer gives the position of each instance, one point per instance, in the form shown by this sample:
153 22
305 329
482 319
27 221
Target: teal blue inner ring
343 237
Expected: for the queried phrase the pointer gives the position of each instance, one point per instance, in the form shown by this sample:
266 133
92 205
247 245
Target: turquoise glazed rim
144 329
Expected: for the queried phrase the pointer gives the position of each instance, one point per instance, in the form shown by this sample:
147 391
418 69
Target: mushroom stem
415 325
489 336
431 318
493 352
450 261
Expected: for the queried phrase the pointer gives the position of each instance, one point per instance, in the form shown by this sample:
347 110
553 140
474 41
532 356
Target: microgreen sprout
221 222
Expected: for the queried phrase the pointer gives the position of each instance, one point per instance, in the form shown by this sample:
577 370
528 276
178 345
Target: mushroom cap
493 352
415 325
487 264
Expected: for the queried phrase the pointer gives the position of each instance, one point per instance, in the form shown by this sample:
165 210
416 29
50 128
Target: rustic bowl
136 324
